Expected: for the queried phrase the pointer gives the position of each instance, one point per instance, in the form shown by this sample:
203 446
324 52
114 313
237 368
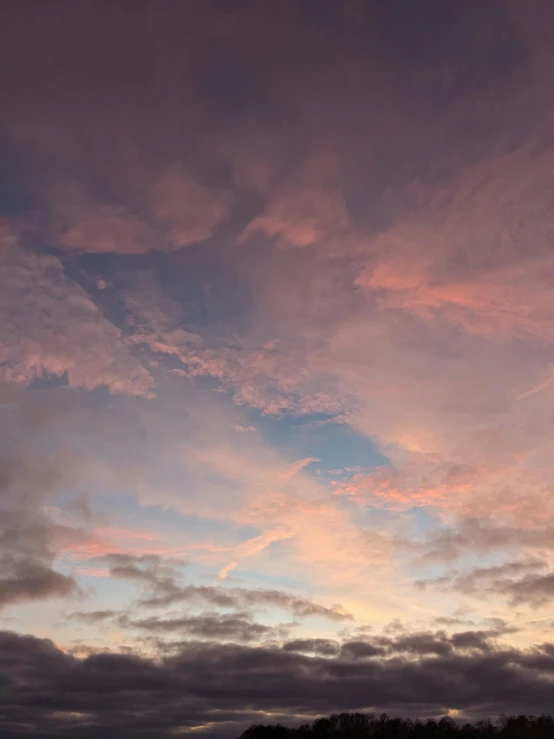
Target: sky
276 363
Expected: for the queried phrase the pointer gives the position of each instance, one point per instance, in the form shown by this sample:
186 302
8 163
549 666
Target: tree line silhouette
370 726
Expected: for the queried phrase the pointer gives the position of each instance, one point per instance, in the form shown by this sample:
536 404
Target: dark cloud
361 649
417 644
29 538
533 589
324 647
23 580
422 644
161 128
471 640
449 37
227 687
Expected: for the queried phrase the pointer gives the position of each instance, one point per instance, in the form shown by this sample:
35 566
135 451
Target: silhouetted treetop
370 726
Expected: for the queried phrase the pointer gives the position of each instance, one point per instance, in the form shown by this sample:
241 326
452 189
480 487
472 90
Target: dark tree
369 726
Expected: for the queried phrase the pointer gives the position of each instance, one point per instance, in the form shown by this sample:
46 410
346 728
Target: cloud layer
222 688
276 362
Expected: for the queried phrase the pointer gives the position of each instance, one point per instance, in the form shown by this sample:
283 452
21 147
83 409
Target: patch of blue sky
129 511
50 620
42 621
340 450
101 591
425 520
380 517
191 527
47 381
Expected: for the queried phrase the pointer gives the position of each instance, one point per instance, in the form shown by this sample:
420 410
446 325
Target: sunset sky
276 362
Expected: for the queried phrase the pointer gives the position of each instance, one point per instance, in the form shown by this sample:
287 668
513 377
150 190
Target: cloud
423 481
313 529
258 599
179 212
483 580
160 153
81 223
29 538
229 686
361 650
518 581
149 569
191 210
469 534
209 626
323 647
267 378
534 589
366 254
495 217
50 326
451 621
253 546
302 217
92 617
163 587
38 468
25 580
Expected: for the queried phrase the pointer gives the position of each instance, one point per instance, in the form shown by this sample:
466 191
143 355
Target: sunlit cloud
276 370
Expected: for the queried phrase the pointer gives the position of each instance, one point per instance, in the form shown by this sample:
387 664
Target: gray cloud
519 581
534 589
362 649
241 598
163 589
323 647
24 579
31 475
451 621
479 536
92 617
210 626
28 538
228 686
155 574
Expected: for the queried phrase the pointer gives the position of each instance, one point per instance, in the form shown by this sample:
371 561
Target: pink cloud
421 314
177 211
79 222
301 218
51 326
101 541
190 210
